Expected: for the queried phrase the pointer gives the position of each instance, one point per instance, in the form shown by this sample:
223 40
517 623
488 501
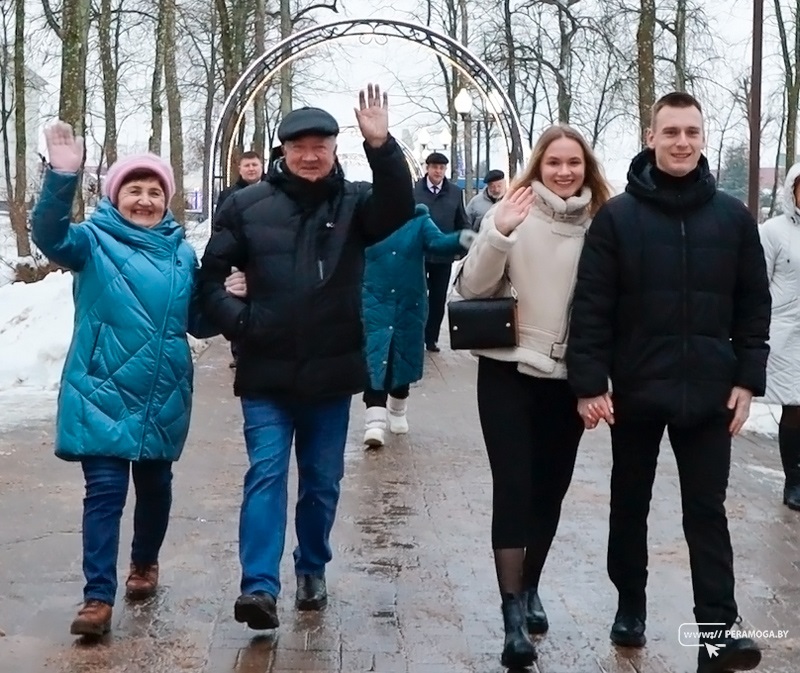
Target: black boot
730 654
628 629
789 443
535 615
312 593
518 650
257 610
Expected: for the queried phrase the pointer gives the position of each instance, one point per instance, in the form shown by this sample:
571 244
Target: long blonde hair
593 178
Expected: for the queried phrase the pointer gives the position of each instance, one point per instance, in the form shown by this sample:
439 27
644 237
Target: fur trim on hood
789 204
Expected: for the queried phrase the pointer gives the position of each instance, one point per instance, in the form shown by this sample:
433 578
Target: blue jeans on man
106 491
319 431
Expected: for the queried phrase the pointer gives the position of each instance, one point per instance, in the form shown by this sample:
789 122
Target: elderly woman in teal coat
126 387
395 308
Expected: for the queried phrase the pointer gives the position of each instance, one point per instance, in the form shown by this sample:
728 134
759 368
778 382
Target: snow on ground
36 327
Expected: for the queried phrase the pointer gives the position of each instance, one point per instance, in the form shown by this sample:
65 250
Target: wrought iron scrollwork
263 69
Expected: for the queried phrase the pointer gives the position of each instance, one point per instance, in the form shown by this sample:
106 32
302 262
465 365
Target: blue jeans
320 433
106 492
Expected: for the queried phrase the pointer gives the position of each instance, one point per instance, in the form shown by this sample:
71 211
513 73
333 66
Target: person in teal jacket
126 388
395 308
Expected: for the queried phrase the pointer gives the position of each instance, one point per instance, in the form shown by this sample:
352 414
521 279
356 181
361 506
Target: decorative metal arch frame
268 65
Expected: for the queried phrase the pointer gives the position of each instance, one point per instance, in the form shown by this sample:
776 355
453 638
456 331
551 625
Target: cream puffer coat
780 238
539 259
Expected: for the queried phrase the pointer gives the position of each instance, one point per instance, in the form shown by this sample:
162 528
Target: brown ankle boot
94 619
142 581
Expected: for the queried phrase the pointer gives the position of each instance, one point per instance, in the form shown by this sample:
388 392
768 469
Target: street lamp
445 138
463 106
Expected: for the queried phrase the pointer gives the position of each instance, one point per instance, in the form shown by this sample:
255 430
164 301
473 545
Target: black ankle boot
730 654
518 650
535 616
628 629
789 444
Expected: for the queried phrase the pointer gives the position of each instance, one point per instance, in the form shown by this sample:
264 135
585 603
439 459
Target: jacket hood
789 202
166 235
642 185
421 209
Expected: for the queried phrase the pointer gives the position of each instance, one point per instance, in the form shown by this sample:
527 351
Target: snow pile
763 419
35 332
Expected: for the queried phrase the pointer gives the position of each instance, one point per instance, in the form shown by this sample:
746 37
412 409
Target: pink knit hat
150 163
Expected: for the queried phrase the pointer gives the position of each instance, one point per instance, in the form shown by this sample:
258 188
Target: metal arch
264 68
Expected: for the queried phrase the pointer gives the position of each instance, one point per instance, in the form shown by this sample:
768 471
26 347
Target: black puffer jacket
672 300
240 184
301 246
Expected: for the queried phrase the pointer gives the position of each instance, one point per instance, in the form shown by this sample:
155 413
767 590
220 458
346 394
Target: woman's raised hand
513 209
64 148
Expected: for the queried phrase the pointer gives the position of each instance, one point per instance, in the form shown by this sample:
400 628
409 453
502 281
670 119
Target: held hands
64 148
372 114
594 409
513 209
739 404
236 283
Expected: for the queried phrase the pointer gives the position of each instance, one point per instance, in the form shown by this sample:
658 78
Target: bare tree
790 51
167 16
645 41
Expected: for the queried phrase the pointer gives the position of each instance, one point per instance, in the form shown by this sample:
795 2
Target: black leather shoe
791 496
518 650
731 654
258 611
432 347
312 594
628 630
535 615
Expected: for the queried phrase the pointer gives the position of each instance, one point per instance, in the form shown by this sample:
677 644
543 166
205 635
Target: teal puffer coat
394 298
126 388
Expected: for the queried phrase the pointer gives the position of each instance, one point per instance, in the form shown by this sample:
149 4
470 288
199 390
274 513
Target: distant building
36 89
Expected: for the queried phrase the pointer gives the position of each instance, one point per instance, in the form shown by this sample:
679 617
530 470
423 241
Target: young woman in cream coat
532 241
780 237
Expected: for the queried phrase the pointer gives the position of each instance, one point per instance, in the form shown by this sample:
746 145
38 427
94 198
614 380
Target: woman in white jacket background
531 241
780 238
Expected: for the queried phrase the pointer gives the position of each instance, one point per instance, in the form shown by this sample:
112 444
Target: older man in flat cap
493 190
299 238
445 201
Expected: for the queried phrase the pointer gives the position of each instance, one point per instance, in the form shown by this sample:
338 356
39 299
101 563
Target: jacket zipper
160 349
685 326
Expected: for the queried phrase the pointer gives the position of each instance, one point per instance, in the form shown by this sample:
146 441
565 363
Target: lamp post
463 106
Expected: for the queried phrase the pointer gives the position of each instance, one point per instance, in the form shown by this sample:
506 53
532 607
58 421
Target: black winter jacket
446 209
672 300
232 189
301 247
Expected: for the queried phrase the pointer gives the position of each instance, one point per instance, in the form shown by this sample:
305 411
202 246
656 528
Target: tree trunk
680 45
286 71
260 105
18 209
516 153
564 66
72 99
791 65
173 93
156 104
109 82
208 115
645 41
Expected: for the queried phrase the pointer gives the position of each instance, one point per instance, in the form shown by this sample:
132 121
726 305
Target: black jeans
703 455
438 279
532 430
378 398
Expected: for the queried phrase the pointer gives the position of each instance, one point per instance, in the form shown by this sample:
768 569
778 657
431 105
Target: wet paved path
412 583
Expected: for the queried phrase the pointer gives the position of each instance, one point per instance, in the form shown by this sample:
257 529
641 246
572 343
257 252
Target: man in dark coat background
672 304
300 238
251 171
445 202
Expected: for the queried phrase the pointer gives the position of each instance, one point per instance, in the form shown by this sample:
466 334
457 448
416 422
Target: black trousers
532 430
703 455
438 280
379 398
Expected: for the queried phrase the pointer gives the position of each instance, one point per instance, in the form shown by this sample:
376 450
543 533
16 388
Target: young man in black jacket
672 305
299 238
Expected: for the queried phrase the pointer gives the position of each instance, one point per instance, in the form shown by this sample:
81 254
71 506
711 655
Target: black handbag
476 324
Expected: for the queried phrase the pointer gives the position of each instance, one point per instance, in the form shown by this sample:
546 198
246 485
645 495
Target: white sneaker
398 423
375 426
